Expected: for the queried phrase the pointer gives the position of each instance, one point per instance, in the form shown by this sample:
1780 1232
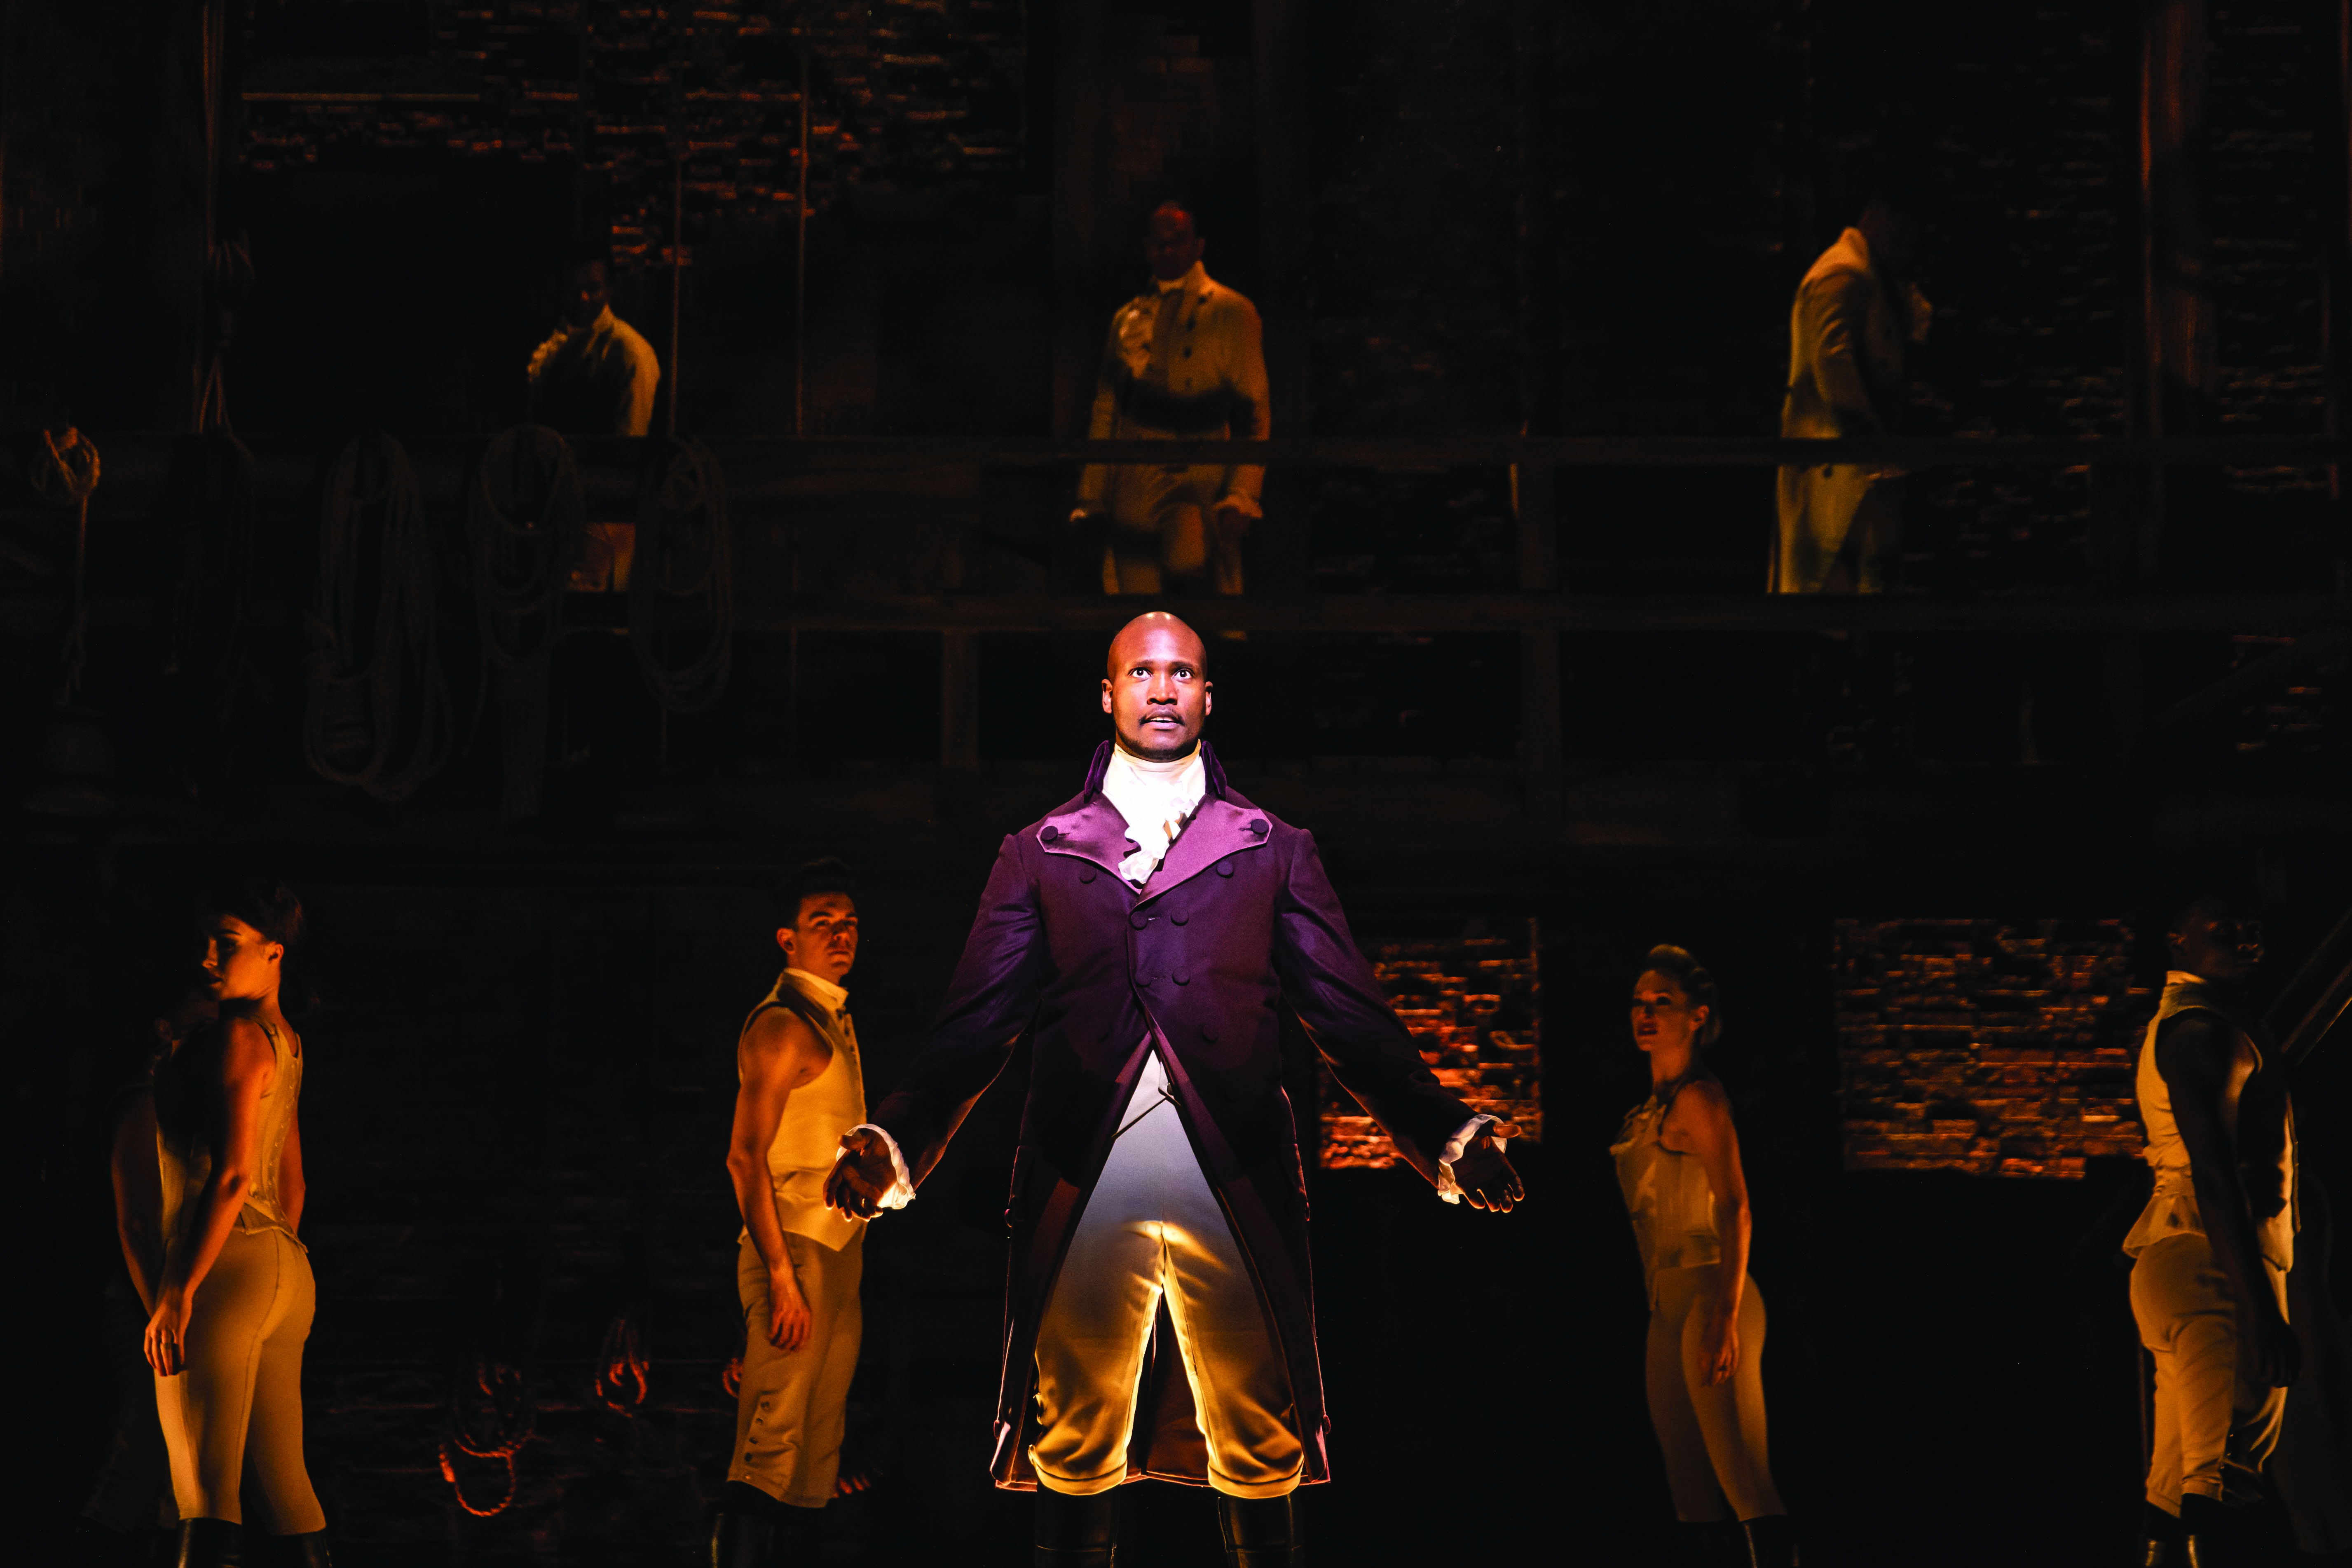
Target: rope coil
621 1367
526 518
362 676
682 583
503 1421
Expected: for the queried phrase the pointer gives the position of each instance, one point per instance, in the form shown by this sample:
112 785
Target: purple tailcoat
1238 919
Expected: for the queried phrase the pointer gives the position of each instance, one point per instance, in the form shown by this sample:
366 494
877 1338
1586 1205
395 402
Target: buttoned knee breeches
1161 535
2215 1424
1712 1436
793 1408
233 1417
1153 1229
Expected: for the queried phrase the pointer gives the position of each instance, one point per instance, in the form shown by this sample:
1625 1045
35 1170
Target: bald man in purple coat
1159 1315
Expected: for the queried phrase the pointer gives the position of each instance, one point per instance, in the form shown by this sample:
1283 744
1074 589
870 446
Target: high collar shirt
1156 799
822 991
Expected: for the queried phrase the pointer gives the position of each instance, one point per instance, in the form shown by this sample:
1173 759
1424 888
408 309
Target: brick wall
906 94
1475 1006
1998 1047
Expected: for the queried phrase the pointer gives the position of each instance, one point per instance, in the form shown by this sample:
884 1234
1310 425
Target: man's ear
1105 694
1208 697
784 940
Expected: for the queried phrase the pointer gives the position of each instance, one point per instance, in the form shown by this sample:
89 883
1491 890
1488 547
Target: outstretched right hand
861 1176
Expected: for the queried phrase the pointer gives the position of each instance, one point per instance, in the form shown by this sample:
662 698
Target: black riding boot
1261 1532
210 1543
1077 1532
1771 1541
2212 1534
745 1533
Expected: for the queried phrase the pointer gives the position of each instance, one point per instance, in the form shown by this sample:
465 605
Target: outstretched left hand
1484 1174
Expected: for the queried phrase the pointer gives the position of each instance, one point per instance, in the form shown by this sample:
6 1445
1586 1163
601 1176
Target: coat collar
1091 829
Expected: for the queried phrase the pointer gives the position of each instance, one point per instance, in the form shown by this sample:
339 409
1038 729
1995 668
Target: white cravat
1156 799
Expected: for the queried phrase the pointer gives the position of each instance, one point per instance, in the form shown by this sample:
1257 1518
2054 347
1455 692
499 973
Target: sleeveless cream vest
2173 1207
808 1137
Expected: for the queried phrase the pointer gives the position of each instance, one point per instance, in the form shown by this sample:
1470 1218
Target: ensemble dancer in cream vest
798 1266
2213 1249
1678 1161
231 1310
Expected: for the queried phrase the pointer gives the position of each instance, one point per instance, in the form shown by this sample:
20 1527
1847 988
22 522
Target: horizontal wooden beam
1411 614
750 459
1430 613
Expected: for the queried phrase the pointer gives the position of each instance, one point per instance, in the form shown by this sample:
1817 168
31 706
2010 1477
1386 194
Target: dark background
1459 220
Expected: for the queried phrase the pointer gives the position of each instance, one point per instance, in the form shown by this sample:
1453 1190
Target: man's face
2218 943
1170 244
1156 690
586 293
822 941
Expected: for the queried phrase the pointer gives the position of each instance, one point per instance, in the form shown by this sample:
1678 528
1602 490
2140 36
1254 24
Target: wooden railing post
1541 749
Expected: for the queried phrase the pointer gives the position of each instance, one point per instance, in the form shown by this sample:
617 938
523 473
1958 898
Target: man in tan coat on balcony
1842 523
1184 362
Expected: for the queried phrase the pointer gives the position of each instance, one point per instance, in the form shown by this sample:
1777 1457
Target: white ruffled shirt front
1158 798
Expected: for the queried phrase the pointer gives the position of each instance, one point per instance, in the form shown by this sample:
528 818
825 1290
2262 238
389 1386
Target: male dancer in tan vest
798 1266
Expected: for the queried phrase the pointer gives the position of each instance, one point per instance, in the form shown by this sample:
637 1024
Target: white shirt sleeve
901 1192
1448 1188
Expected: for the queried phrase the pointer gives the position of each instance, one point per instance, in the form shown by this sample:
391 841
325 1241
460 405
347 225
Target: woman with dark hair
1678 1160
234 1305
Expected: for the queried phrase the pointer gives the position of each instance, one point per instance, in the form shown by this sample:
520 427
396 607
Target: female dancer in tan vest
1678 1161
234 1305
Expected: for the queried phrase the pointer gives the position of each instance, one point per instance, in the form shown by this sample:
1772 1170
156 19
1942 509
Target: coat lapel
1218 829
1090 827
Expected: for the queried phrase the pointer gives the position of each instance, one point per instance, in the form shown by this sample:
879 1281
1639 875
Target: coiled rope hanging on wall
377 714
525 518
491 1421
682 581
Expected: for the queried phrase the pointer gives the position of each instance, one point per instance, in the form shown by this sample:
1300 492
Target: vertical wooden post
1283 109
958 702
1081 124
172 256
1533 486
2174 365
2335 149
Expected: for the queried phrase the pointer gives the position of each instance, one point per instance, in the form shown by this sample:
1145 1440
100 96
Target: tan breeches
2215 1424
1162 536
1713 1438
232 1418
1152 1229
790 1418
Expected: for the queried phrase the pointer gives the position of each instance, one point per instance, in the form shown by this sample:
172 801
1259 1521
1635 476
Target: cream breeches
793 1408
232 1418
1163 535
1152 1228
2215 1426
1713 1438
